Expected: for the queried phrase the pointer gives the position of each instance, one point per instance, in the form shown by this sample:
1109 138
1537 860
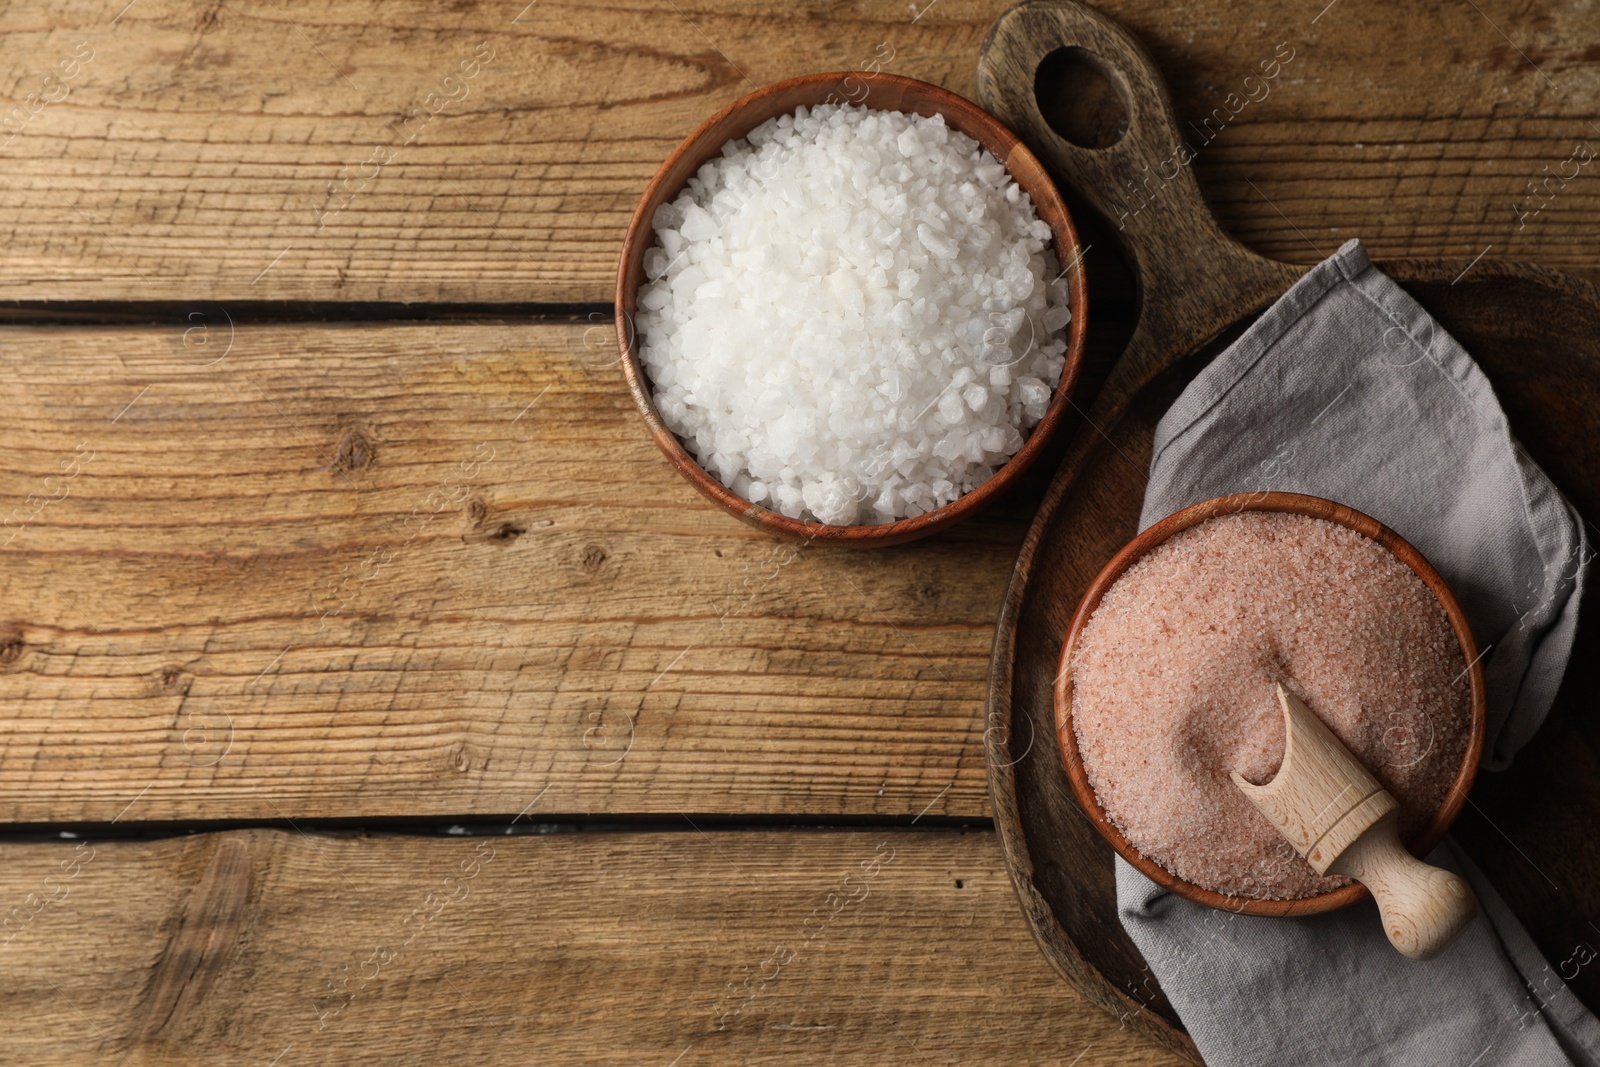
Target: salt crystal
950 409
1032 391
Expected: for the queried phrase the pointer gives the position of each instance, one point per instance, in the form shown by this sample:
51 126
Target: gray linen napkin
1347 389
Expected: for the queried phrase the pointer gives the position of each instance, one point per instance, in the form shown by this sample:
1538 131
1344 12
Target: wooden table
398 700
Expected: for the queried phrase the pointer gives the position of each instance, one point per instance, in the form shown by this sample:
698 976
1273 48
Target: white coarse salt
852 315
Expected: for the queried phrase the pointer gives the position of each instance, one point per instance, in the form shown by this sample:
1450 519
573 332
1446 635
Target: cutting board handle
1193 279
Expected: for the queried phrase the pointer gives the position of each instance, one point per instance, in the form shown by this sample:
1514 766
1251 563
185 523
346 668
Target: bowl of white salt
851 308
1168 682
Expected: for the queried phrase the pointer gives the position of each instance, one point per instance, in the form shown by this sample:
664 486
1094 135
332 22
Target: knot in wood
354 452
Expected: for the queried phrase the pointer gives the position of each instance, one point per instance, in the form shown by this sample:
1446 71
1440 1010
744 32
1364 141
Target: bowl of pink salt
1168 683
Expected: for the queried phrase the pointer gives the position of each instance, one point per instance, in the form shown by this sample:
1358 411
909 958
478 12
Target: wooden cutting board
1533 331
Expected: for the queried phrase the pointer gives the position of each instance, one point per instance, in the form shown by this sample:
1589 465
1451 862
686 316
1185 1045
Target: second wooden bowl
886 92
1294 504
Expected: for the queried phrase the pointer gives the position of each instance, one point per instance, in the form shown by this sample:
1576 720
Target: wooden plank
249 150
670 948
417 570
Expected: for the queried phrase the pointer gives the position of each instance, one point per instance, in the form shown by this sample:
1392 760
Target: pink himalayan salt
1174 681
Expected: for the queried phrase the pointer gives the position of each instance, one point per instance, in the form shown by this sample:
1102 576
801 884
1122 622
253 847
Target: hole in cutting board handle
1080 99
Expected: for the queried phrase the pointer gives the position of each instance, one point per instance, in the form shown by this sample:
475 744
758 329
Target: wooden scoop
1336 815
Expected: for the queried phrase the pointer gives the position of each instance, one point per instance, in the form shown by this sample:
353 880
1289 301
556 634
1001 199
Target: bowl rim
1021 164
1295 504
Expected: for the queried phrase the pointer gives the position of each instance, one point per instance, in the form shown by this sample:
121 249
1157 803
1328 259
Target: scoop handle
1423 907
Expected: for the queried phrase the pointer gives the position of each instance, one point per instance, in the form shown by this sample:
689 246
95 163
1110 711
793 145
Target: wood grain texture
266 150
1197 281
1423 907
425 570
668 948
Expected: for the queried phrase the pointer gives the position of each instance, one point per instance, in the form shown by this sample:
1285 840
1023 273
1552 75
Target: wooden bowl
885 92
1293 504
